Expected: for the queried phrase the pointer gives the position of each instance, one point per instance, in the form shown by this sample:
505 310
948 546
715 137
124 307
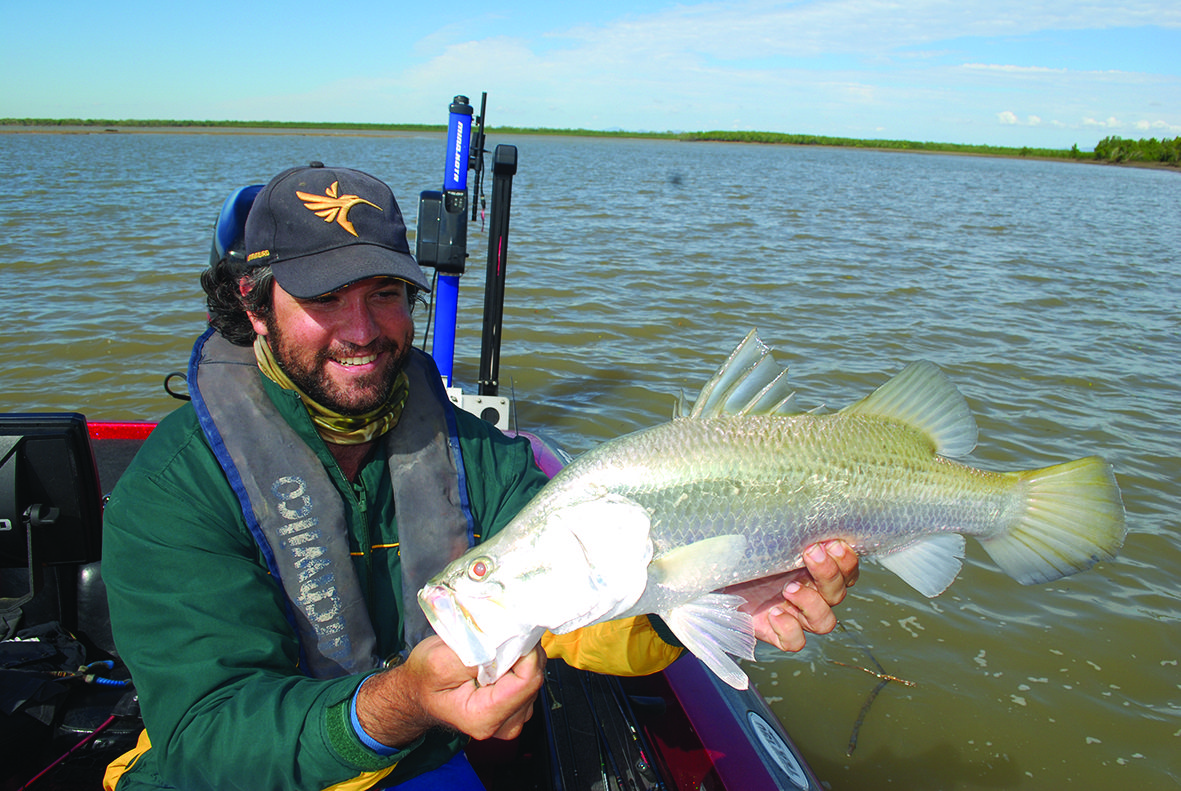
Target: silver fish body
655 521
783 483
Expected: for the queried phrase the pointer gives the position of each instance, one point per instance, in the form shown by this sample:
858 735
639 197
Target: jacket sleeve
202 627
624 647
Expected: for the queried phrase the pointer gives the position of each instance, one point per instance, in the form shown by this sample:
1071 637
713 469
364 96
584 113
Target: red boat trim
119 430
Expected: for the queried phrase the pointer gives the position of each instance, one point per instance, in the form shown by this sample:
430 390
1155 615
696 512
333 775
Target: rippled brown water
1047 291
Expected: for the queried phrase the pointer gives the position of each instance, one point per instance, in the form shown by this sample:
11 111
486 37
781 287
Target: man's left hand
788 606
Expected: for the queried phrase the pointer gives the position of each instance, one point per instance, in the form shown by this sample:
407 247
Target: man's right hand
434 688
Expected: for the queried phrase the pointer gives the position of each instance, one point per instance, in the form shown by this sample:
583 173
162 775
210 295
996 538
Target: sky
1037 73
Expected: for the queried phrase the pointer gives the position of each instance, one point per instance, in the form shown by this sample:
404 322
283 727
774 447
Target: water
1047 291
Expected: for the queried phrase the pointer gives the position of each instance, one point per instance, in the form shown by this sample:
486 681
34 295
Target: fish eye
479 568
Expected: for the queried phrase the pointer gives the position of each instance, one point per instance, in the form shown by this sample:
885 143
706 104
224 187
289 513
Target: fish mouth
454 623
492 655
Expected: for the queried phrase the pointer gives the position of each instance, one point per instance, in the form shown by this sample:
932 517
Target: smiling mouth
351 362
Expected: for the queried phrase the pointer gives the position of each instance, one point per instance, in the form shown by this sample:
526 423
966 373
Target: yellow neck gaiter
333 426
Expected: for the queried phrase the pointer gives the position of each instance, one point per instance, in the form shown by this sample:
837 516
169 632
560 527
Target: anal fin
930 564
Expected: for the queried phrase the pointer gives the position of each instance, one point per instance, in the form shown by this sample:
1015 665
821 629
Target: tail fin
1071 518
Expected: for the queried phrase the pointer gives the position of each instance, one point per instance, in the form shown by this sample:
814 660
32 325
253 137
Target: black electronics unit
50 501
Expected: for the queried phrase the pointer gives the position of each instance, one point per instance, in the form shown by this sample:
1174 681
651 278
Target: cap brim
320 273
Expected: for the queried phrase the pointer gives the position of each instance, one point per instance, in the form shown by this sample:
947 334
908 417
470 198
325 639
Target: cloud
1141 125
864 28
971 71
1010 69
1009 118
931 70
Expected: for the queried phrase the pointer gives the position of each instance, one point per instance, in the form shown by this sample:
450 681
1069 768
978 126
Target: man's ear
260 326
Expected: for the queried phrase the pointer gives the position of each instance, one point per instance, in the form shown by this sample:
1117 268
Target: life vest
296 514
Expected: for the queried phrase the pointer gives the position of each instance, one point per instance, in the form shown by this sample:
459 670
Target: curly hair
228 302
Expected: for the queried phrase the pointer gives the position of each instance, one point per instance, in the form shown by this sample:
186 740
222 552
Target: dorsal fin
750 382
923 397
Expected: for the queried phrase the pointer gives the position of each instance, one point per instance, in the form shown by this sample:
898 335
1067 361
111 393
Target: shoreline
109 129
428 130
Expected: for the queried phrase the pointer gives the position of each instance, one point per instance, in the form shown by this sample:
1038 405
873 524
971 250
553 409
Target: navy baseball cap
321 229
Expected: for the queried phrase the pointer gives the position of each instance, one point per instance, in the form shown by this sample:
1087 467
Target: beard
309 371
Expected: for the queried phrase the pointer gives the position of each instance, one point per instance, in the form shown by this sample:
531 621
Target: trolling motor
441 239
441 242
442 216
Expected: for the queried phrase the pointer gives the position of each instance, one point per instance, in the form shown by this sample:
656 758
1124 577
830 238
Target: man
259 551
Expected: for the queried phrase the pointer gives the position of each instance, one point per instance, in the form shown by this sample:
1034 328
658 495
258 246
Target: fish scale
775 480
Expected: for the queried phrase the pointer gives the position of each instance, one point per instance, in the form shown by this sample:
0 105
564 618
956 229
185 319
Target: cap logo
332 206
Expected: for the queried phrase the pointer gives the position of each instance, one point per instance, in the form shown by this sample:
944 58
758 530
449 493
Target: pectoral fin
682 568
712 628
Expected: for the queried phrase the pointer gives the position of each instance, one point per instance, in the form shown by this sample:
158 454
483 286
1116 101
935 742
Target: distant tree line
150 124
1117 149
894 145
1110 149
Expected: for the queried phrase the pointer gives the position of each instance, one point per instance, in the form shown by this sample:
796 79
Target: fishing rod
504 167
476 159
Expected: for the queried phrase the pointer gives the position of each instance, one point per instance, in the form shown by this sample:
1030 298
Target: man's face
344 349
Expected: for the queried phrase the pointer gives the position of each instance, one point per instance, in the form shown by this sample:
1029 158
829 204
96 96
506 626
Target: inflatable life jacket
296 514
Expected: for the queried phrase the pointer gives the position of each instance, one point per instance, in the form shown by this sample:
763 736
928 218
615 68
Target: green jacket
201 624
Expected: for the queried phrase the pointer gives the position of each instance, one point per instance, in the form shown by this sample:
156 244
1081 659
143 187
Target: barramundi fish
735 488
